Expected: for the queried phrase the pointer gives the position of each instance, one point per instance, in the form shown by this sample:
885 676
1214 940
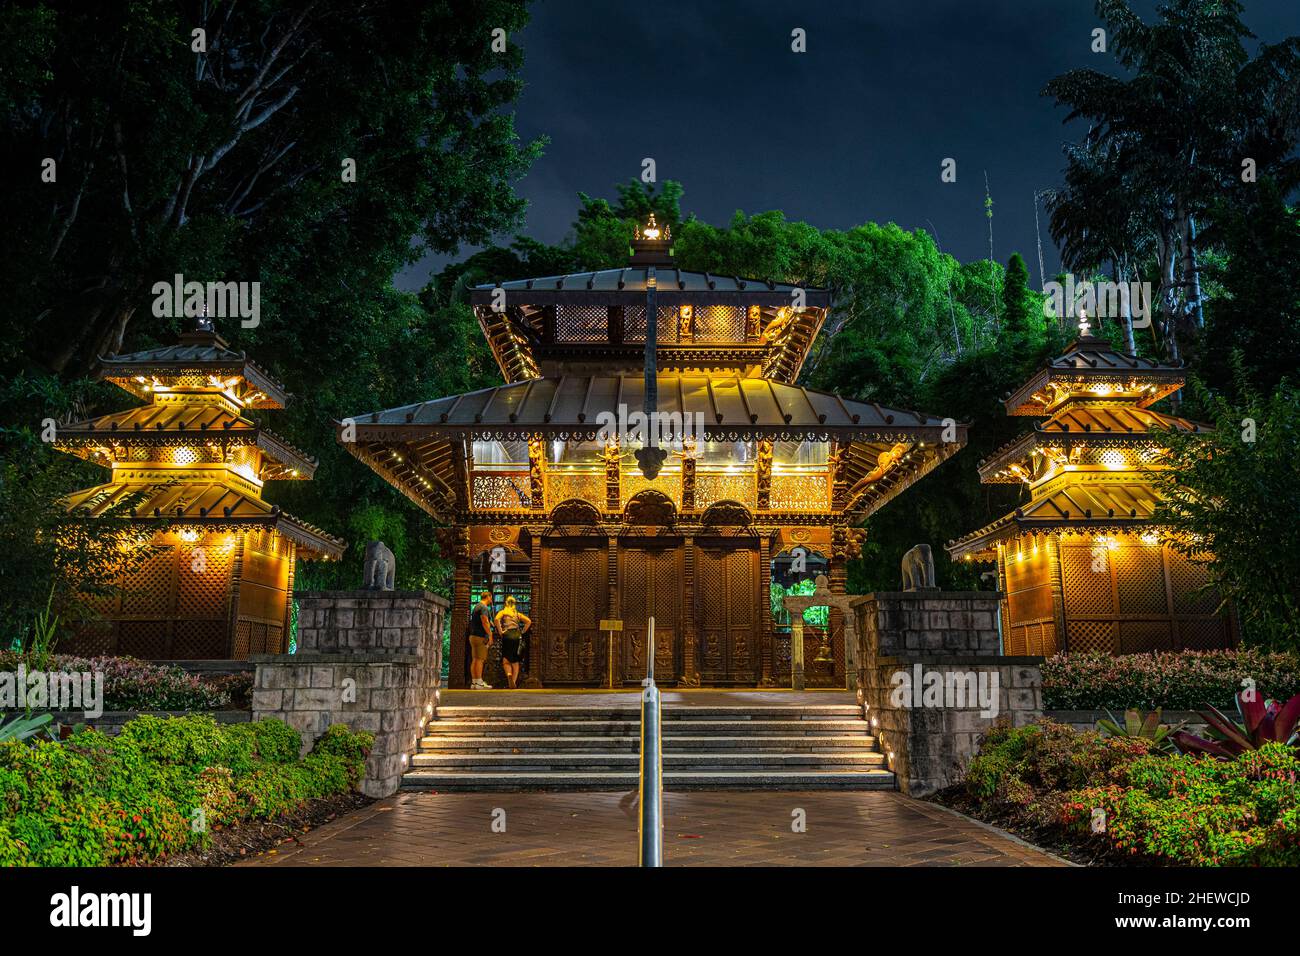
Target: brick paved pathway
881 828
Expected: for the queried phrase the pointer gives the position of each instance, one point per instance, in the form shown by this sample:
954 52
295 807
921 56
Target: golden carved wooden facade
749 467
213 574
1082 564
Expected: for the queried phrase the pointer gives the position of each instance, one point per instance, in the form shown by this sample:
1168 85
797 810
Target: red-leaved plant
1265 722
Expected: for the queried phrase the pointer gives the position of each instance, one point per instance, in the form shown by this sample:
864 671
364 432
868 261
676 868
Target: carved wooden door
727 614
567 623
650 582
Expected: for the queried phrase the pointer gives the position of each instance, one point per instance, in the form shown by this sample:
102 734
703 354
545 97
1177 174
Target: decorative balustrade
800 493
502 490
587 485
725 487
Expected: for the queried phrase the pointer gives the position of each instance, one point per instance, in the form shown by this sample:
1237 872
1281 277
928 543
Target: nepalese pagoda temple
542 503
1082 565
217 577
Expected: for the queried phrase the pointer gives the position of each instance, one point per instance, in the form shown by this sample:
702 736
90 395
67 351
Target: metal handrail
651 828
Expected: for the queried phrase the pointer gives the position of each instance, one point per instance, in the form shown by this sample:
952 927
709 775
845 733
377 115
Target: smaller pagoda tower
218 578
1081 565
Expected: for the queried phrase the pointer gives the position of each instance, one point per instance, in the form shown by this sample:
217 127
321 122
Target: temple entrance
650 583
568 617
727 613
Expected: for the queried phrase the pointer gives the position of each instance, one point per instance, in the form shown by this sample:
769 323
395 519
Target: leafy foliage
1227 497
1180 681
1264 722
1152 808
93 800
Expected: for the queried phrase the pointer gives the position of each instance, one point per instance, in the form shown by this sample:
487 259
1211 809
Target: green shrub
131 684
1184 680
1180 809
94 800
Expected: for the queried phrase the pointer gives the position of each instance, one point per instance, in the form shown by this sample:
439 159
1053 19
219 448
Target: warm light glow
1150 538
651 230
189 535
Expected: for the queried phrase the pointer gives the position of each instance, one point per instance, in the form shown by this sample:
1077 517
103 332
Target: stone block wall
368 659
913 641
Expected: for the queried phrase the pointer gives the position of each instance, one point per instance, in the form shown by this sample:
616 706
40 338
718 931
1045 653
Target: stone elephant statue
377 574
918 569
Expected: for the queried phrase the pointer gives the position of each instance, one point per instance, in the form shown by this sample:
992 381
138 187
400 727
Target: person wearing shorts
480 639
512 624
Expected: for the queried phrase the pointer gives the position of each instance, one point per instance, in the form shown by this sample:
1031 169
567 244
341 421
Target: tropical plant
1264 722
26 727
1225 492
1147 727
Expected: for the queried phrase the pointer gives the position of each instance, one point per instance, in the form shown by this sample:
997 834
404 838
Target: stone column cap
362 594
350 657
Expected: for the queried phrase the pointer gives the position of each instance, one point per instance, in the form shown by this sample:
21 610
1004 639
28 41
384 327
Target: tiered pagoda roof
189 457
1087 466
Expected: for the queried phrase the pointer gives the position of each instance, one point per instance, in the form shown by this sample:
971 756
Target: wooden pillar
286 630
764 469
690 636
613 500
614 325
796 650
766 632
1058 593
688 474
1004 609
838 581
611 603
236 579
537 474
537 636
460 604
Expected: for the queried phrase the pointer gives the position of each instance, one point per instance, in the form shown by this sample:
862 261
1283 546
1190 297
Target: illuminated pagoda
218 579
539 503
1081 565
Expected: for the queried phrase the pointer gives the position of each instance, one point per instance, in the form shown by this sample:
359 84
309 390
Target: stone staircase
597 747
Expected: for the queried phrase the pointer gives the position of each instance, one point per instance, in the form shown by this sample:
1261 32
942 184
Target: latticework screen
589 486
720 323
799 493
502 490
1127 596
634 324
711 487
582 323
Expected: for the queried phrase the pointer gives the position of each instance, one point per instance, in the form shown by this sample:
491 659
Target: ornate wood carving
650 508
688 474
727 612
846 542
723 514
536 473
764 468
612 491
575 511
650 584
690 665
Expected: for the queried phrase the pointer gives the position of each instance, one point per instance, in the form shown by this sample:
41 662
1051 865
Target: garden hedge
160 786
1171 809
1184 680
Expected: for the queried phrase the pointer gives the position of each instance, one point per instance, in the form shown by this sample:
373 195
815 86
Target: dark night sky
853 130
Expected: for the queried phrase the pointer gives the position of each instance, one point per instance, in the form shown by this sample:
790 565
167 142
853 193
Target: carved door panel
727 615
650 582
568 621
